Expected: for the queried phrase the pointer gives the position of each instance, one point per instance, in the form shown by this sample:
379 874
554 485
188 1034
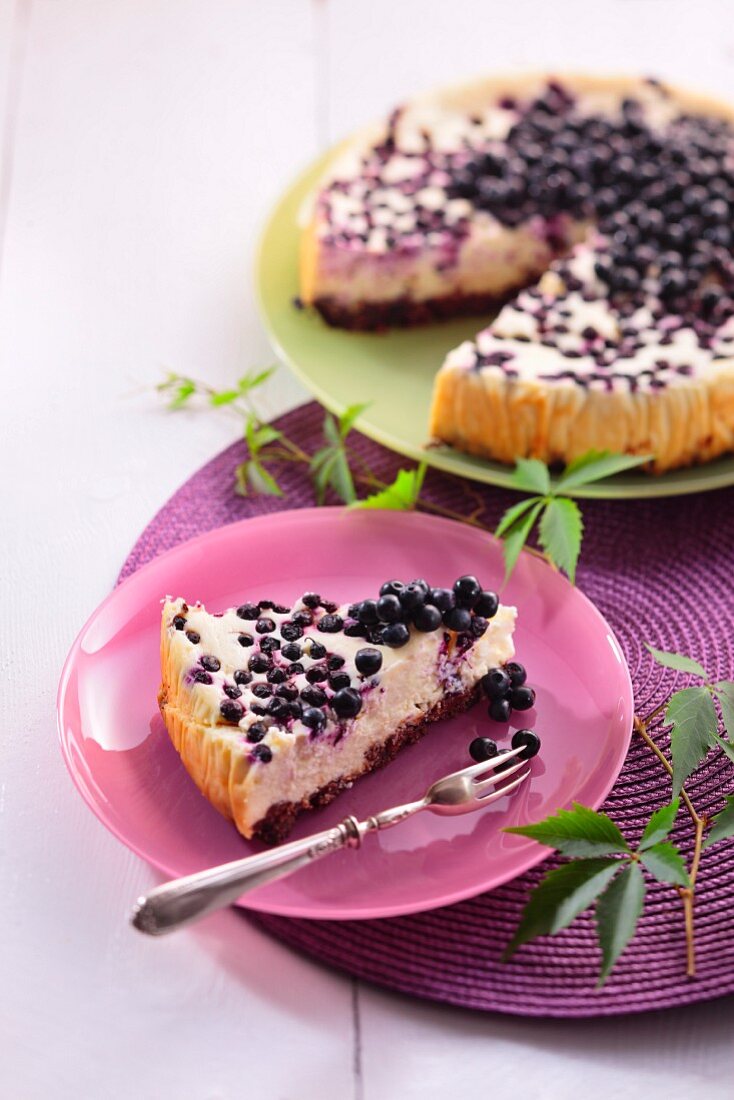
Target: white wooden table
141 144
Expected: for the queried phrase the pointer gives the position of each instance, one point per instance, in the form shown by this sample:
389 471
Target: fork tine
501 791
492 780
484 766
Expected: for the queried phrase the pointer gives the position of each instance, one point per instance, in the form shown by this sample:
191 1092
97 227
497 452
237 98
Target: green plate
393 372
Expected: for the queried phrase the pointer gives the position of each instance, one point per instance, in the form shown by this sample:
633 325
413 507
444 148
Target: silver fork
184 900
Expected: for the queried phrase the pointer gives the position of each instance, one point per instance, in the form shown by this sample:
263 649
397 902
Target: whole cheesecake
275 710
597 212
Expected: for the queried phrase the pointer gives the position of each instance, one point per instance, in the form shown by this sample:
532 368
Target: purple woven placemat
660 571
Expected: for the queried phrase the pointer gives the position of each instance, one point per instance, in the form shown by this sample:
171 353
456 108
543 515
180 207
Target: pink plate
119 755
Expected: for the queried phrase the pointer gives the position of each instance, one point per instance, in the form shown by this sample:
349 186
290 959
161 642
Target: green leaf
726 746
723 823
251 476
402 495
725 694
513 513
341 478
593 466
560 897
516 536
347 418
264 435
665 862
693 718
253 379
576 832
532 476
560 534
223 397
617 913
330 470
182 393
659 825
678 661
331 431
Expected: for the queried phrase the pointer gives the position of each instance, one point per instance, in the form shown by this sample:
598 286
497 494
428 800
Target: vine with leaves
602 869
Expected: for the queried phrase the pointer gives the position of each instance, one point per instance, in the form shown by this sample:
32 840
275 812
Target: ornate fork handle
184 900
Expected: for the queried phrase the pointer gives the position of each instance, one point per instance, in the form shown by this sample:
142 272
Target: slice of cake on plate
274 710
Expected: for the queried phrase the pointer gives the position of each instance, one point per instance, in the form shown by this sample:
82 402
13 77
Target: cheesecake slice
275 709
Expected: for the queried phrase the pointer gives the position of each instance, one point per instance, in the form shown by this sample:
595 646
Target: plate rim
651 486
536 852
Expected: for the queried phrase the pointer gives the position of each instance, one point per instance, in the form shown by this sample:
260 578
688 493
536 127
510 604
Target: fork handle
183 900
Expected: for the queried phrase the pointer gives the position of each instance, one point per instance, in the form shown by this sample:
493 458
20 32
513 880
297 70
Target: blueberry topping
335 662
269 644
413 596
487 604
375 635
479 626
312 600
287 691
496 683
391 588
314 696
499 710
317 651
427 618
302 618
295 708
245 639
296 669
314 718
193 637
262 691
259 662
278 708
368 661
262 753
248 611
389 609
354 629
482 748
265 626
522 698
516 672
458 619
396 635
201 677
291 632
316 674
179 622
330 624
232 691
242 677
347 703
231 710
277 676
529 741
367 612
467 591
291 652
442 598
256 732
339 680
211 664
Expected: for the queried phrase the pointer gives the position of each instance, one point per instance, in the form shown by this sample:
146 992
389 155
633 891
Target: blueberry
467 591
245 639
368 661
302 618
354 629
257 708
496 683
296 669
487 604
256 732
311 599
277 676
391 588
291 652
522 698
499 710
529 740
231 710
412 596
242 677
316 674
317 651
201 677
211 664
248 611
347 703
295 708
458 619
314 718
516 672
193 637
335 662
262 753
479 626
339 680
442 598
330 624
427 618
179 622
396 635
232 691
269 644
389 609
278 708
265 626
423 585
262 691
259 662
290 632
287 691
314 696
367 613
482 748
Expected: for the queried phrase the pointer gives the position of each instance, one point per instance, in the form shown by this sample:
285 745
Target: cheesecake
595 214
274 710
